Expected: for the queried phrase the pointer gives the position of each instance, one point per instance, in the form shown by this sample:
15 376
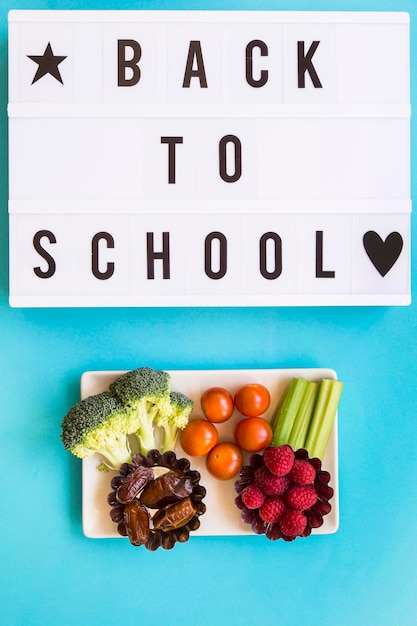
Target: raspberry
302 472
301 497
272 509
279 460
270 484
252 497
286 506
293 523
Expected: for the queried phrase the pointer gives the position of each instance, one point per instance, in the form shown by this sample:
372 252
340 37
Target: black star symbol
48 64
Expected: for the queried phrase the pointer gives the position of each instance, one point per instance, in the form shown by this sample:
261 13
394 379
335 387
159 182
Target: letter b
131 63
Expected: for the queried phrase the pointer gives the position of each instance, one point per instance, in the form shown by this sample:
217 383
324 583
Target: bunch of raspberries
283 494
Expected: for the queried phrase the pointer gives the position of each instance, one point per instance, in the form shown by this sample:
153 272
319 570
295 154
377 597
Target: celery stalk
284 416
323 417
302 420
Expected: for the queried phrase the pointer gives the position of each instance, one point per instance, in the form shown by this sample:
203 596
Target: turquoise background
365 574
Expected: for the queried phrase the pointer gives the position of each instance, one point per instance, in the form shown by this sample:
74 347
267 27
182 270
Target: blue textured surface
365 574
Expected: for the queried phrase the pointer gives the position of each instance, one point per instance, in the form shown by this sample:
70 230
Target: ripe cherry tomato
198 437
252 400
224 460
253 434
217 404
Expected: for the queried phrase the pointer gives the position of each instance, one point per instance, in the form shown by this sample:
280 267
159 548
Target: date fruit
132 486
156 512
166 489
175 515
136 521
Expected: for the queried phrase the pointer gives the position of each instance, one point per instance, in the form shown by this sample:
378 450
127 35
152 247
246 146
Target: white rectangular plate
222 516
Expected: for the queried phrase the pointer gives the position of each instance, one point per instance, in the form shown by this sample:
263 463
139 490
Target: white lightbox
184 158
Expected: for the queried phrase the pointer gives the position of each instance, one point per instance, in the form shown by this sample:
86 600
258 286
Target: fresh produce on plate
146 393
284 505
217 404
252 400
224 460
284 493
156 500
99 424
306 416
139 410
253 434
264 442
199 437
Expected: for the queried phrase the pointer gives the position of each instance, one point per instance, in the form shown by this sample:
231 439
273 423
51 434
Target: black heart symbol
383 254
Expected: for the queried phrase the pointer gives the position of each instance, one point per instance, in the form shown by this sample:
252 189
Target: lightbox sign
179 158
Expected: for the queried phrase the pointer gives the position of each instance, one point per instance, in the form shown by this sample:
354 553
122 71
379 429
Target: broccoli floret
144 392
174 420
99 424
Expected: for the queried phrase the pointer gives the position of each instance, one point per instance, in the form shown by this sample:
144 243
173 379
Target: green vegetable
306 415
144 392
323 417
137 403
303 416
99 424
174 420
283 419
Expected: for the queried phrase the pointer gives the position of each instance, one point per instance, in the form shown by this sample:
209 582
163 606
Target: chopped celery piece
302 420
283 419
323 417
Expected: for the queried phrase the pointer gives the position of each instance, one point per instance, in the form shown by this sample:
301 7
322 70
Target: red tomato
217 404
224 460
252 400
253 434
198 437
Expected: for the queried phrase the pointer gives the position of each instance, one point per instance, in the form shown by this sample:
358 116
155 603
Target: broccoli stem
169 438
303 417
146 432
323 417
113 458
284 416
146 440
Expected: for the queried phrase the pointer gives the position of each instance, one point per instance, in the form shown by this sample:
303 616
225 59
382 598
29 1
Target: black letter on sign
171 141
230 178
208 255
276 239
305 65
320 273
50 271
152 255
194 52
132 63
108 273
263 79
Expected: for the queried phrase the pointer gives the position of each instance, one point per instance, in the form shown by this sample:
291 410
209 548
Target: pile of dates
156 500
